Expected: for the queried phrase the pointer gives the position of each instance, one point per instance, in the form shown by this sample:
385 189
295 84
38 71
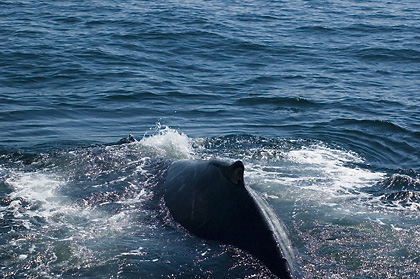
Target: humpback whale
210 200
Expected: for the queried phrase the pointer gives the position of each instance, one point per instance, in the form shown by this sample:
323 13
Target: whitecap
170 143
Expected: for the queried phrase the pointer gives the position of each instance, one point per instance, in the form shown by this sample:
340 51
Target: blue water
319 99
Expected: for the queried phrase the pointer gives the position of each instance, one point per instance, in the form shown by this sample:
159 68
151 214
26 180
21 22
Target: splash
170 143
37 189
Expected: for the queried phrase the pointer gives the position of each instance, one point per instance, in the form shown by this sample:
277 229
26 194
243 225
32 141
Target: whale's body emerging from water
210 200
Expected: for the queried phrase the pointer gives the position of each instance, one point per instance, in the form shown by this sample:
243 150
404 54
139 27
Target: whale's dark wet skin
211 201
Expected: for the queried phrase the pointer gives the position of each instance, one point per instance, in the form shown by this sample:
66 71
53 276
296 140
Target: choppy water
318 99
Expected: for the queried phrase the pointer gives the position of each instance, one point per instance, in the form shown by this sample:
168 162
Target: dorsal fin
234 173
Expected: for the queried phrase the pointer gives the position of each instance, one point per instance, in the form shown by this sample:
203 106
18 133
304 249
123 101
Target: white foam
137 252
331 171
36 194
36 188
316 175
170 143
23 257
33 186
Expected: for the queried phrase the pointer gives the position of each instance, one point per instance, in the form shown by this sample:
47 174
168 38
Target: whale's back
203 197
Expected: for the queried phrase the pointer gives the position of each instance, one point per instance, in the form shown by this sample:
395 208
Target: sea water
319 99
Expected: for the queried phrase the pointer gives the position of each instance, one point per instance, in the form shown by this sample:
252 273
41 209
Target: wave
405 199
387 54
316 29
129 96
383 143
373 29
278 102
382 125
402 180
400 190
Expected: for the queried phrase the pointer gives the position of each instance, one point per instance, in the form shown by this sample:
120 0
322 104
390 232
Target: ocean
319 99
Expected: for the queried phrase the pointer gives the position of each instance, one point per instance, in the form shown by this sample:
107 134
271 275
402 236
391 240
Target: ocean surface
319 99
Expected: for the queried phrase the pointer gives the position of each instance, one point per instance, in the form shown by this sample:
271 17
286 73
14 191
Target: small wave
379 141
279 102
386 54
107 23
401 190
371 29
381 125
128 96
403 180
405 199
189 96
68 20
316 29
